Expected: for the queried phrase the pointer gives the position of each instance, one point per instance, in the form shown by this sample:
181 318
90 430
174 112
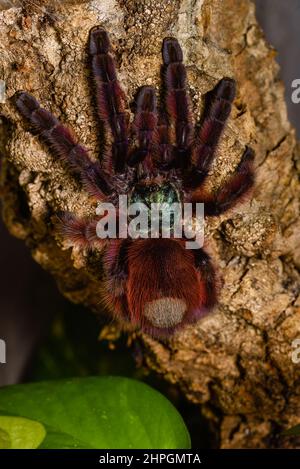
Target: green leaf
4 439
20 433
295 431
100 412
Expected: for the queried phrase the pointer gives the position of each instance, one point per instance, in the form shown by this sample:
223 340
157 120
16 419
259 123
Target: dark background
28 296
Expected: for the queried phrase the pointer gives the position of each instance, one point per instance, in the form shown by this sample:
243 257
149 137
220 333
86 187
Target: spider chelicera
155 284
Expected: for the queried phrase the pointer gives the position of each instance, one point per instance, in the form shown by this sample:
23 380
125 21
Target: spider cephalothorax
155 284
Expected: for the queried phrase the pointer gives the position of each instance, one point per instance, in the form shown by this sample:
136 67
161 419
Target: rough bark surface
237 362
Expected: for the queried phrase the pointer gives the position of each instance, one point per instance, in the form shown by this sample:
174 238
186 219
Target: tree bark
237 362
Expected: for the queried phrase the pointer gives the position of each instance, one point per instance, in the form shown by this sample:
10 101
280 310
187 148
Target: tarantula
155 284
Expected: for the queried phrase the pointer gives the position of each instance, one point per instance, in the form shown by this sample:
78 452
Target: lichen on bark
236 363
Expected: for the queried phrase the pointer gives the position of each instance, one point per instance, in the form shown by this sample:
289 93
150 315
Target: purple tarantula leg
79 231
64 144
145 128
177 100
110 98
235 190
207 277
115 261
165 159
218 109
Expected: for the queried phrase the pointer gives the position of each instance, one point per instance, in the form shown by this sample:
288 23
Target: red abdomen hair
163 284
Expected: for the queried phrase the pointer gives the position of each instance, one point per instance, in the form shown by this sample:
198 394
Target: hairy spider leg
64 144
110 100
116 268
144 129
215 116
80 231
233 191
207 277
177 102
164 158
